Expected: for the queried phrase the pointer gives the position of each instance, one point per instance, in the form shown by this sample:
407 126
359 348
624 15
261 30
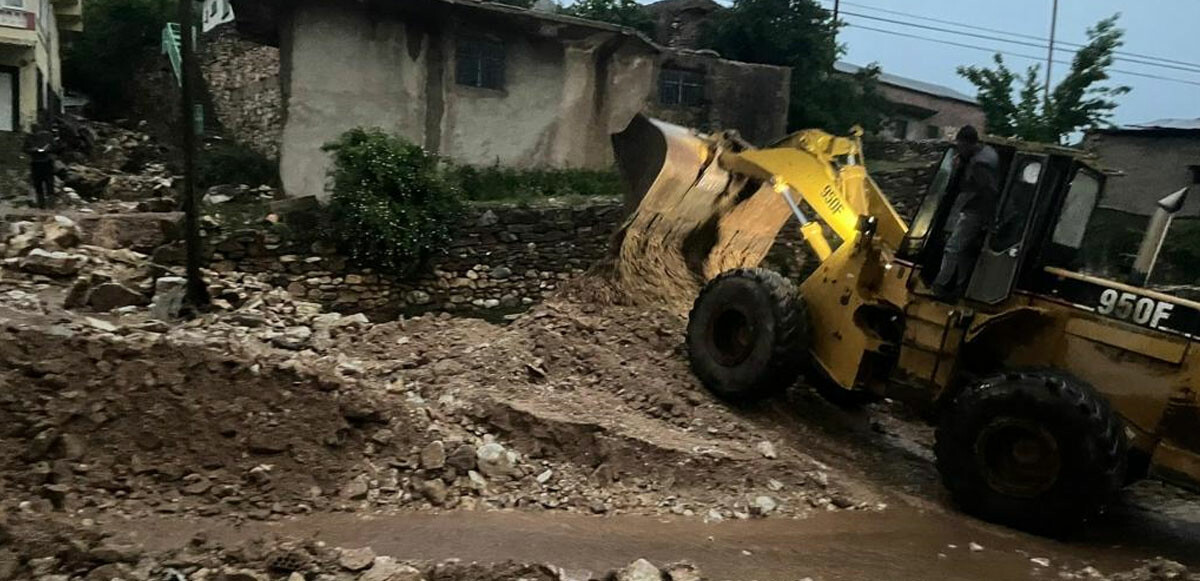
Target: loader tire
747 334
1037 450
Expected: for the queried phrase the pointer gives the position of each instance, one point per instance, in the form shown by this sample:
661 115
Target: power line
1130 57
1014 54
1041 46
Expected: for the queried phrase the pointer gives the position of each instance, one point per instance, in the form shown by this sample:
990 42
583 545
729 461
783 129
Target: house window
680 87
18 4
480 63
933 132
900 128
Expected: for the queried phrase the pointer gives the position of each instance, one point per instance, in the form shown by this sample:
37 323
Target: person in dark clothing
40 145
972 213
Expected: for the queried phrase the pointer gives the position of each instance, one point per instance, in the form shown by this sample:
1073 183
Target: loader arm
706 204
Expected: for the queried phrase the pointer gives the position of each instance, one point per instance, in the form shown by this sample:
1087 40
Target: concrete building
30 70
922 110
484 83
1154 159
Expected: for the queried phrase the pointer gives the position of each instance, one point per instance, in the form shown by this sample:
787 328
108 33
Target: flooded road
898 544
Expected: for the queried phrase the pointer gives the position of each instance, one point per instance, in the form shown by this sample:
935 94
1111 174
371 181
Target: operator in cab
972 213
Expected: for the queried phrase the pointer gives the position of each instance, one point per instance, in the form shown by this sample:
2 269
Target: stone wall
243 84
502 258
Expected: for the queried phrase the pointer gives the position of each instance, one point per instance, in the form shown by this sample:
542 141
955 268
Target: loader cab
1047 196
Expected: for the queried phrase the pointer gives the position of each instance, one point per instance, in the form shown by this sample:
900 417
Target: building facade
484 83
922 110
30 69
1150 160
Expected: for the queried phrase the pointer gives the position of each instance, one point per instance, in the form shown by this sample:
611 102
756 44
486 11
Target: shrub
501 183
228 162
392 204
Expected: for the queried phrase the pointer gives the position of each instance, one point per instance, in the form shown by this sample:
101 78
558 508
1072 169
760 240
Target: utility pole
196 296
1050 53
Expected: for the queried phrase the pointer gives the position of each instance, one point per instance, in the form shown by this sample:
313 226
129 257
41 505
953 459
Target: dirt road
900 545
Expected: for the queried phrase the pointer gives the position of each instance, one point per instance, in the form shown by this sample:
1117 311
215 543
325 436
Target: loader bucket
688 218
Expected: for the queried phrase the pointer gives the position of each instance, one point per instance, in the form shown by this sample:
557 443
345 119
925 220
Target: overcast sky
1162 28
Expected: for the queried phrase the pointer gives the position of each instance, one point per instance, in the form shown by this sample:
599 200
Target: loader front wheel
1036 450
747 334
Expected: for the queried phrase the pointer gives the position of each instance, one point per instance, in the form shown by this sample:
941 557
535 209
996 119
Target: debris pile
48 551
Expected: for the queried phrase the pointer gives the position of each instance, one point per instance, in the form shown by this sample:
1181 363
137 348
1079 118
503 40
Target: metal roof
910 84
1178 124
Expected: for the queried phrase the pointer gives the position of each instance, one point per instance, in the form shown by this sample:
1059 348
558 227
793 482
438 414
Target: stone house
30 69
479 82
922 110
1153 159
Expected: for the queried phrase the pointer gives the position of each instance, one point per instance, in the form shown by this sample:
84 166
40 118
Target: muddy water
901 544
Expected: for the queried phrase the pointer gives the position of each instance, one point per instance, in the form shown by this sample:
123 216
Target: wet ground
901 544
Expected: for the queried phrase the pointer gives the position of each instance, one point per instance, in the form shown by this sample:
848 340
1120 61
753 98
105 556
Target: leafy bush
102 59
392 201
228 162
502 183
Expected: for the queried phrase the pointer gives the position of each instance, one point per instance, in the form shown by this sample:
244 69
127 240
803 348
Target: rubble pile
268 406
104 161
50 551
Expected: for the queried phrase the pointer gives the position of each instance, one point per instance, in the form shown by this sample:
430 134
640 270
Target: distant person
973 211
40 145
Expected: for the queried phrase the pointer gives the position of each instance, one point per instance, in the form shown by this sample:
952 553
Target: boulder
62 232
169 292
433 456
111 295
639 570
494 461
356 559
89 182
54 263
387 569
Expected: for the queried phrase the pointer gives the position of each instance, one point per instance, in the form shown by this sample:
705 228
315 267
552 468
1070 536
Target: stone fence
502 258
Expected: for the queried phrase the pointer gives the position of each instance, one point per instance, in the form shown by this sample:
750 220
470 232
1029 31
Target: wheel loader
1051 387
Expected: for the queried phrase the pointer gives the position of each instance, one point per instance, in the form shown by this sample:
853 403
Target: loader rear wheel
1036 450
747 334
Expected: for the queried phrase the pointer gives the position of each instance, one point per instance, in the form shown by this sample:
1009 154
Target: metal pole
1050 52
196 296
836 4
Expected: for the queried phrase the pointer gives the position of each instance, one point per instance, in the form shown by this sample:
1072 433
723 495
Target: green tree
1082 100
802 35
102 59
621 12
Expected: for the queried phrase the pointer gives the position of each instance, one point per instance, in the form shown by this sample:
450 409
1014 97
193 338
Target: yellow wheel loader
1052 387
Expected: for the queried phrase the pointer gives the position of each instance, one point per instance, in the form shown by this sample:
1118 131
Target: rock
106 572
433 456
356 559
489 218
54 263
169 292
73 447
763 505
448 368
975 547
501 272
418 297
387 569
434 491
100 324
767 449
266 443
357 489
294 338
463 458
493 460
10 563
111 295
682 572
639 570
1040 561
545 476
88 181
140 232
62 232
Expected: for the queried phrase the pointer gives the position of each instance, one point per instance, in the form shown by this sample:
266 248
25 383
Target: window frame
1097 179
479 52
685 86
